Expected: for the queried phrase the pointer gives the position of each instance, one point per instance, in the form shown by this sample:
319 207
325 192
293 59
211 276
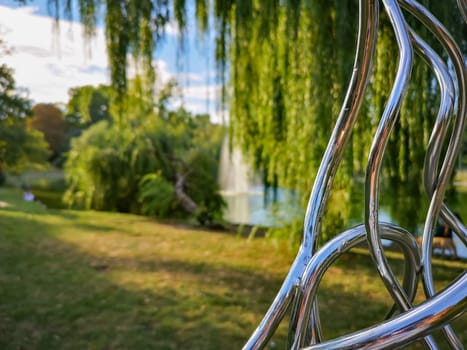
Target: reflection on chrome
300 286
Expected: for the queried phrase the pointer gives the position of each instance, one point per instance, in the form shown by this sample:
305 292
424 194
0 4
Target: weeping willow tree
289 65
287 85
284 65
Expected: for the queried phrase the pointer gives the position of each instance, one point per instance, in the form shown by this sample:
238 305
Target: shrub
154 168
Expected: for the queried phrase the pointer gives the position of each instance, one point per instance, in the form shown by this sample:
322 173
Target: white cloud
171 28
192 77
161 67
48 62
200 99
202 92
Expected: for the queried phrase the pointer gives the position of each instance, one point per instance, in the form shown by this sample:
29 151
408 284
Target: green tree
128 162
104 166
19 147
88 105
126 169
12 103
191 147
48 119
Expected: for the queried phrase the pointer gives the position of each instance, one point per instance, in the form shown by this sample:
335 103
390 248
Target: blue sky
48 63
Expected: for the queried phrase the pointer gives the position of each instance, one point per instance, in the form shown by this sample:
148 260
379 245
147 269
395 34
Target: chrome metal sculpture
299 288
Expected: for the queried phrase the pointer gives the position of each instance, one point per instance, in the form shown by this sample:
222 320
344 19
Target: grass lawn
88 280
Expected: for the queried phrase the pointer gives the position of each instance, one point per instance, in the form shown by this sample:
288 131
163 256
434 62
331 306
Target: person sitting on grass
28 196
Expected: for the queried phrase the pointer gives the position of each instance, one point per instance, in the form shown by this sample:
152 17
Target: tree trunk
187 203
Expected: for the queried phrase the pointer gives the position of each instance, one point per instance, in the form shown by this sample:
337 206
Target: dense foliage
12 101
87 105
19 146
148 160
49 120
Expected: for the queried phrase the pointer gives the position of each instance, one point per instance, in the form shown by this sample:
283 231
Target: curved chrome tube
301 284
445 114
340 245
377 152
437 192
463 7
378 148
408 326
368 23
375 160
455 55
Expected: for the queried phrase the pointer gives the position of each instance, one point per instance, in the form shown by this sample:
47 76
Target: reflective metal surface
300 287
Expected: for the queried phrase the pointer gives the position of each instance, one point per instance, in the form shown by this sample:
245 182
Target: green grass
88 280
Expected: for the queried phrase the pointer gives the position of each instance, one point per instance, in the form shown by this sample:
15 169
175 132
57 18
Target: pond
247 204
253 208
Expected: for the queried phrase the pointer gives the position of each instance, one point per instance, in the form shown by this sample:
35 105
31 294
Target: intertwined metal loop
301 284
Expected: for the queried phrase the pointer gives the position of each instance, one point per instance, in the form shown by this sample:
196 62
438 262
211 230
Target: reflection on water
243 194
252 208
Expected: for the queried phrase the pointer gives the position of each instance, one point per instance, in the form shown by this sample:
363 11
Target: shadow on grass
53 298
56 296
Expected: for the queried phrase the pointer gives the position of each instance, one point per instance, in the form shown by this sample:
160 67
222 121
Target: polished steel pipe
300 286
368 25
460 69
381 138
408 326
341 244
436 192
